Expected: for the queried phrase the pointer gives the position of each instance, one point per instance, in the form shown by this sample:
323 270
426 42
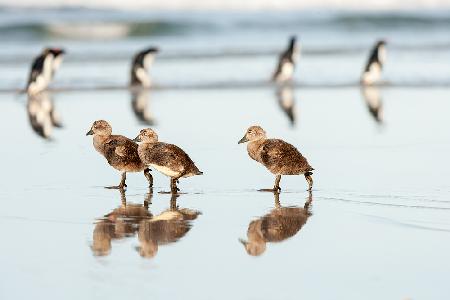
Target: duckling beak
137 139
243 140
90 132
243 242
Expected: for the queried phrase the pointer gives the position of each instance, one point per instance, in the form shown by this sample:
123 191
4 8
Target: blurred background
210 39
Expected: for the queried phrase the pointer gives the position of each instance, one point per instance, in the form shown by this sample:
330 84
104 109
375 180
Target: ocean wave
117 24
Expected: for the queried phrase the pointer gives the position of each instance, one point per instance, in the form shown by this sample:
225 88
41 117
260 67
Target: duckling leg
276 187
309 179
173 185
122 184
149 177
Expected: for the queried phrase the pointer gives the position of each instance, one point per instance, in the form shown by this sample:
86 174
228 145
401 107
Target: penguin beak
137 139
243 140
90 132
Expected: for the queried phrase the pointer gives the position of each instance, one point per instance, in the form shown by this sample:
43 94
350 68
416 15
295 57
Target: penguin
43 69
41 72
377 58
286 64
140 66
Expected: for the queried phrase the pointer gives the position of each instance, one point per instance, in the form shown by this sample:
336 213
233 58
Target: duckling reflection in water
120 152
120 223
278 225
165 228
286 100
168 159
279 157
42 114
139 103
371 95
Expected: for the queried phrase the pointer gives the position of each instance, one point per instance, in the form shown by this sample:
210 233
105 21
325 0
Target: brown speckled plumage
169 156
120 152
278 156
169 159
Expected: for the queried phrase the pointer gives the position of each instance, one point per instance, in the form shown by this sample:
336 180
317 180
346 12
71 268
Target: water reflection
130 219
278 225
42 114
286 100
371 95
140 98
122 222
165 228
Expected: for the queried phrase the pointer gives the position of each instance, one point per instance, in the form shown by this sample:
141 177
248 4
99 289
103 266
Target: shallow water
379 223
377 226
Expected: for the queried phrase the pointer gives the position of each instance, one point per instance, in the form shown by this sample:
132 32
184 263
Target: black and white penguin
286 64
377 58
41 72
43 69
140 66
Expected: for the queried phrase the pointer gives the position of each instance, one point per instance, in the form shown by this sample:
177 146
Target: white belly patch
165 170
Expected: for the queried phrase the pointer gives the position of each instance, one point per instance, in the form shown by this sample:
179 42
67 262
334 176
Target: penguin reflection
278 225
120 223
42 114
371 95
139 101
165 228
286 100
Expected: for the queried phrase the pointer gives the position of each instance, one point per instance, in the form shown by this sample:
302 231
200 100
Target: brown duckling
168 159
120 152
278 225
279 157
165 228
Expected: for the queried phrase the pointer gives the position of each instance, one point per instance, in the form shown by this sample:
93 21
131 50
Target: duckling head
254 248
148 248
253 133
100 127
147 136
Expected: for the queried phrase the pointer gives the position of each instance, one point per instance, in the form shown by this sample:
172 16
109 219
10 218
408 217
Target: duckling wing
283 158
169 156
120 149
